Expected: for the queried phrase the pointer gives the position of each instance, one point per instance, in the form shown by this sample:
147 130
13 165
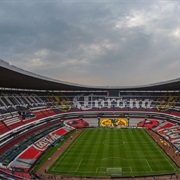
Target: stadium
51 129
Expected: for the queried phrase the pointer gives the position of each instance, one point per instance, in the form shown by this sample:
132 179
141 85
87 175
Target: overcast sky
93 42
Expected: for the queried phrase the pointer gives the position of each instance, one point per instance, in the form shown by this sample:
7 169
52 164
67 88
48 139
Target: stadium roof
14 77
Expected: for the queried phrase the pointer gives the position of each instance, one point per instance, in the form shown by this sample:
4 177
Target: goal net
114 171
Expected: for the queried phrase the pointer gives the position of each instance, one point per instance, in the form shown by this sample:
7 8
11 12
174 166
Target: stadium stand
170 132
33 151
30 112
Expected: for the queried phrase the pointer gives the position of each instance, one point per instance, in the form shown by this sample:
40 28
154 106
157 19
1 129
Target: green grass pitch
113 152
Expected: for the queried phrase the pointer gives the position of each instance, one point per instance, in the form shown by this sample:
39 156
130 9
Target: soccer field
113 152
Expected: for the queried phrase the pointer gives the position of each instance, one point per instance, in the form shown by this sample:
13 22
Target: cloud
93 42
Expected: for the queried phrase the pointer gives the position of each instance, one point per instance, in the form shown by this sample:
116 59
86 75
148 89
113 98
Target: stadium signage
92 101
44 142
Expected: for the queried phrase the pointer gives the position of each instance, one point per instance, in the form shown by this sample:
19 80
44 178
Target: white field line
113 158
160 150
67 151
98 168
148 165
79 165
74 171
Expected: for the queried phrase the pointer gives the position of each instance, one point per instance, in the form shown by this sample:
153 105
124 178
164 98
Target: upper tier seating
18 108
22 102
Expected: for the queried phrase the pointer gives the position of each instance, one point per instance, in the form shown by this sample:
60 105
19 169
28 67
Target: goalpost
115 172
